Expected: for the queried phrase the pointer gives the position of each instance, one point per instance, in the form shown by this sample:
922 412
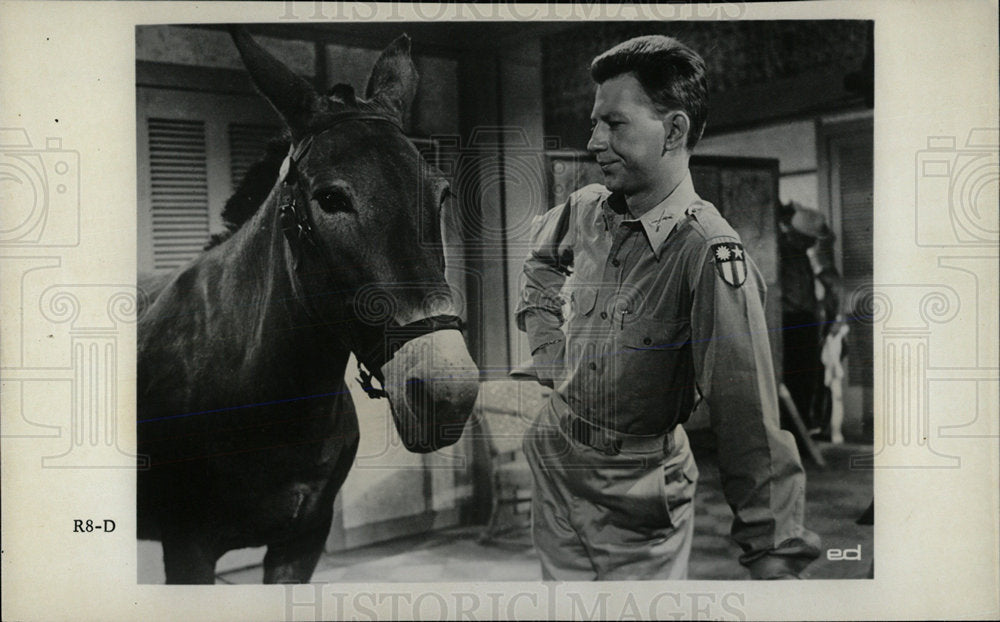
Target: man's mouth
608 164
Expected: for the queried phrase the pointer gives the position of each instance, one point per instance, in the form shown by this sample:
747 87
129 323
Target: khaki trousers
595 516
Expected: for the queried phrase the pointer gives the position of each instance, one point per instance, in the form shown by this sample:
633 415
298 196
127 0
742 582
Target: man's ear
676 125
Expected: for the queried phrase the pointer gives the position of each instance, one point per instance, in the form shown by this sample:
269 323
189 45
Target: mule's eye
333 200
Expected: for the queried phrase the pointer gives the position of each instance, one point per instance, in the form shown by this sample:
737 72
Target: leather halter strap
296 223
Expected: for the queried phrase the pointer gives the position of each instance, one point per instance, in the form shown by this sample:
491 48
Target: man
664 306
805 321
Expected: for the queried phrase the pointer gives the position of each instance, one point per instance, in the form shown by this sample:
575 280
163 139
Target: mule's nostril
439 402
433 384
429 398
417 394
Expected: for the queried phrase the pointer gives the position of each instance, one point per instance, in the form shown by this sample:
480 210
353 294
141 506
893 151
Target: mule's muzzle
432 384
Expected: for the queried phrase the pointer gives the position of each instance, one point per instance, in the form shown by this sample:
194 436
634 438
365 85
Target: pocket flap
691 470
651 334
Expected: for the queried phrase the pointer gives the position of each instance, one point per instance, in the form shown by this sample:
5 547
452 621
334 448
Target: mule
243 411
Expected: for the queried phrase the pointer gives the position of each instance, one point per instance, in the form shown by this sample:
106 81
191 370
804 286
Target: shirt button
604 315
592 365
647 341
615 263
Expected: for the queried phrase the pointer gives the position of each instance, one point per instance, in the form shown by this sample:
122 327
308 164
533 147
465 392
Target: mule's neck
275 315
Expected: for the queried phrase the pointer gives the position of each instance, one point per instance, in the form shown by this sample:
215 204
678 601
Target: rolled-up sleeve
539 310
762 475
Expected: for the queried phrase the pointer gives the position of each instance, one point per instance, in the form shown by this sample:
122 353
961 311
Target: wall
502 186
757 70
793 144
525 182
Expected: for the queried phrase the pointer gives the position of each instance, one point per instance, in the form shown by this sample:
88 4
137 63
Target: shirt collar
659 221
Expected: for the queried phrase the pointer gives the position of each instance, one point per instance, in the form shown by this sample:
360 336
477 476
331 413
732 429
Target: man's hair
672 74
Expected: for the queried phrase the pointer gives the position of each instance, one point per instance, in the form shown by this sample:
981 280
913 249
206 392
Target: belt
611 442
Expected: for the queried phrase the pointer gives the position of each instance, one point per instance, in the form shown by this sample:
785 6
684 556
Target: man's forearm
543 328
547 344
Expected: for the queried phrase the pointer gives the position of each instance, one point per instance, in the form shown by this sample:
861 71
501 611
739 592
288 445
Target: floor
837 496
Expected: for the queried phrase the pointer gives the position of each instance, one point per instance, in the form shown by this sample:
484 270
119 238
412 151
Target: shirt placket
616 268
603 397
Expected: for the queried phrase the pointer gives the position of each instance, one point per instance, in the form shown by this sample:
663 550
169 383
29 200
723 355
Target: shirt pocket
654 371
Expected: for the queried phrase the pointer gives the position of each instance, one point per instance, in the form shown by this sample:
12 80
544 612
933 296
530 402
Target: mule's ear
291 95
393 81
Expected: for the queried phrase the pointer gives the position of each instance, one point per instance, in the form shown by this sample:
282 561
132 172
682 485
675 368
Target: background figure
810 301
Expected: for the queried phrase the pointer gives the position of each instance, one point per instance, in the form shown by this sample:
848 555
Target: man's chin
612 183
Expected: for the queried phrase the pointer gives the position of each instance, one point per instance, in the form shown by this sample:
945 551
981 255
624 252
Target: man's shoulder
708 224
589 195
582 204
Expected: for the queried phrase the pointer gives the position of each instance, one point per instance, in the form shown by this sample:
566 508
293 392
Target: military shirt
663 310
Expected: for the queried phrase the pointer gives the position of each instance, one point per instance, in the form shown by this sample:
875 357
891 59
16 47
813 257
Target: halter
300 234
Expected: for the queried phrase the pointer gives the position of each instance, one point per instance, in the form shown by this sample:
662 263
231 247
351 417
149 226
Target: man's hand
771 567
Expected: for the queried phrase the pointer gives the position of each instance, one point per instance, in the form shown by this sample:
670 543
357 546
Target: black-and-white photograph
320 310
540 301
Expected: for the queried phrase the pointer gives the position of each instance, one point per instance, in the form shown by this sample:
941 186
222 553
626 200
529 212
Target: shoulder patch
730 262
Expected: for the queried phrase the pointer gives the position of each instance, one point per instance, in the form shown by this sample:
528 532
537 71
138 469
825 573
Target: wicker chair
506 409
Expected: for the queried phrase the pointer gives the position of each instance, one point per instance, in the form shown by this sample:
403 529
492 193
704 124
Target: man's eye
333 201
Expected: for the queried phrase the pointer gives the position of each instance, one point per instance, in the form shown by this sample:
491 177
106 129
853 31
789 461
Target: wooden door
745 191
846 160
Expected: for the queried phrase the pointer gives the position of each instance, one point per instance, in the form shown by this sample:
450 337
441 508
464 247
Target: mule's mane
253 189
261 177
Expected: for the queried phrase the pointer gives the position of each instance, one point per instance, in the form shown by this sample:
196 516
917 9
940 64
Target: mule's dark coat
243 409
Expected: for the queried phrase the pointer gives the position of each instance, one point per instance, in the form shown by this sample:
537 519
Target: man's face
627 137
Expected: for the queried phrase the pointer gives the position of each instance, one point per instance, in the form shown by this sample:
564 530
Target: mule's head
371 265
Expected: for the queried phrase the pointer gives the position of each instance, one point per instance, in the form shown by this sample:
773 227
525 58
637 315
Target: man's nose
598 139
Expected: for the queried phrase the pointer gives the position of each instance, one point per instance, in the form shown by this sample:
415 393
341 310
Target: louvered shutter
178 190
247 143
854 163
